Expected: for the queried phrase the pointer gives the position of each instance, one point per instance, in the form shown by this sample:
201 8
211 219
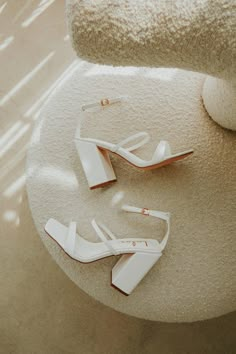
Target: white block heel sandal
94 156
138 255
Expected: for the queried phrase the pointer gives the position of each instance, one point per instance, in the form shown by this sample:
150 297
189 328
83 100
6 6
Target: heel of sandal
96 164
131 269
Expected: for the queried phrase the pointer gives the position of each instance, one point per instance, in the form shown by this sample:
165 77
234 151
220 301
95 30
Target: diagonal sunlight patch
66 38
164 74
35 108
14 187
22 10
26 79
6 42
117 198
54 176
2 7
20 132
13 164
9 133
10 215
110 70
42 6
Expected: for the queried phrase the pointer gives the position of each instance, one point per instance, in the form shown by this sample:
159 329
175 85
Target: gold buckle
145 212
104 102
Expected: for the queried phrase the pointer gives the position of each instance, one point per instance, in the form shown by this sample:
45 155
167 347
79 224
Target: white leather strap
70 239
162 151
165 238
144 211
158 214
99 104
98 227
131 138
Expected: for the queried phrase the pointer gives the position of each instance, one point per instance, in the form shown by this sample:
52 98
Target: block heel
131 269
96 164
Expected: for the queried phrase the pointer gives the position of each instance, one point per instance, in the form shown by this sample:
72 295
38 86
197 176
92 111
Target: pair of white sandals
138 255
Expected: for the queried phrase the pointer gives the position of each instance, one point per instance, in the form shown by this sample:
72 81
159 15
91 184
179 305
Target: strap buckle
102 103
145 212
105 102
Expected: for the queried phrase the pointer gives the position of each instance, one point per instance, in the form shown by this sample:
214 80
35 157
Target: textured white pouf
197 35
195 279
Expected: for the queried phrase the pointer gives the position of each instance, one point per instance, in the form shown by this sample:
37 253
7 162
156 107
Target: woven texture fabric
197 35
191 34
195 278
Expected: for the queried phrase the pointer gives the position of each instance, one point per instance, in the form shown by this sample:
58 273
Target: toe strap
69 246
162 151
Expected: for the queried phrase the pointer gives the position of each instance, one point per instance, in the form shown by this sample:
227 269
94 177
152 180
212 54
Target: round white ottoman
195 279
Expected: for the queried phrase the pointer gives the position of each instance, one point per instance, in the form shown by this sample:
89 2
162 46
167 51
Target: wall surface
41 310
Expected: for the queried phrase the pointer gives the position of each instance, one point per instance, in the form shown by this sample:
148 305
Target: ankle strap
99 104
103 103
158 214
144 211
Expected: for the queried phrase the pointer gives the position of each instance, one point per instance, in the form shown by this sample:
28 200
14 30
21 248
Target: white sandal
94 156
138 255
